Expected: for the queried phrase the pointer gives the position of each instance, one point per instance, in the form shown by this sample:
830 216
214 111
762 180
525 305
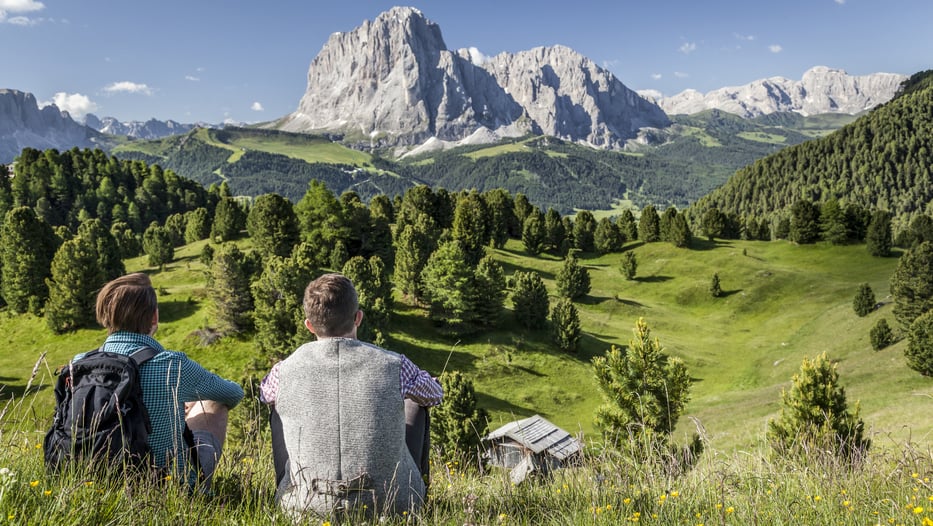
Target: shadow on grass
177 309
727 293
510 269
631 303
488 401
18 391
593 300
652 279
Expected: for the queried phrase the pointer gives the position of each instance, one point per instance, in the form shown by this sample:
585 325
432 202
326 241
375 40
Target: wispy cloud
256 107
656 76
747 38
76 104
128 87
192 78
841 2
775 48
609 64
16 7
688 47
681 74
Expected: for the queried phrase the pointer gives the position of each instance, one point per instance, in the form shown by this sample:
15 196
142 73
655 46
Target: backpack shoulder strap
144 355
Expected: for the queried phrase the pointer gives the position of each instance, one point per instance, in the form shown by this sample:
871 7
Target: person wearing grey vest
349 419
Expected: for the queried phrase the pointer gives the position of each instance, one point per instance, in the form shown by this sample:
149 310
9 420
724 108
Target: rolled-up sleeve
205 385
418 385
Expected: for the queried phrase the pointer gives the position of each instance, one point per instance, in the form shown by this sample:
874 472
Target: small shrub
864 301
881 335
919 350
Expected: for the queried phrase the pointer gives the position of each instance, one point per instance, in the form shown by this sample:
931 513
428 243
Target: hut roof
539 435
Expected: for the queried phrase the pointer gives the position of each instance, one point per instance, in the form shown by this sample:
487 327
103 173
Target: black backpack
99 412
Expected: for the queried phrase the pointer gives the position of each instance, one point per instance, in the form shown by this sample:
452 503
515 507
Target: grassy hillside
782 303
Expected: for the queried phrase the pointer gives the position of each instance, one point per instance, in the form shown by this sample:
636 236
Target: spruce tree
607 237
680 235
198 225
413 245
879 239
815 417
629 265
490 292
627 225
565 325
919 350
573 279
912 284
522 208
500 214
666 223
715 289
458 424
713 223
584 231
277 314
75 280
272 225
450 288
229 220
533 234
102 243
375 298
881 335
804 223
645 390
157 244
554 233
229 290
321 220
470 227
833 223
530 300
649 225
176 225
27 245
864 301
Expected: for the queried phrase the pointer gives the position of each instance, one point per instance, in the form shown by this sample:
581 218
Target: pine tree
75 280
470 227
490 292
815 417
554 233
413 245
644 389
522 208
573 279
229 220
666 223
176 225
912 284
27 245
881 335
832 222
228 288
108 257
198 225
157 244
321 220
879 239
804 223
533 234
500 215
919 350
530 300
628 226
607 237
450 288
713 223
458 424
272 225
339 255
715 289
278 315
375 298
649 225
864 301
680 235
629 265
129 243
584 231
565 325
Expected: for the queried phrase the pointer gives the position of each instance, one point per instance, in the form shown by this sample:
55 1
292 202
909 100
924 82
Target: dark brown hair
330 305
127 303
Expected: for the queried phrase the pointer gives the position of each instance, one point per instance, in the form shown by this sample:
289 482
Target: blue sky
213 60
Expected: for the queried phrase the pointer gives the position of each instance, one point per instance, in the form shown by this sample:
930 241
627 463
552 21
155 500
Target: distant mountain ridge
821 90
151 129
392 81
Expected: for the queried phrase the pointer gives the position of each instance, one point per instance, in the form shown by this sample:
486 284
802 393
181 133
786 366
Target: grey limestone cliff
23 124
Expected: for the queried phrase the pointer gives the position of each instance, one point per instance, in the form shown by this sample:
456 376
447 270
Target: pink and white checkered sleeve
418 385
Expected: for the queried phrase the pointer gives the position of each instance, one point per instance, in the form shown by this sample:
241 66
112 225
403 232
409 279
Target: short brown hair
127 303
331 304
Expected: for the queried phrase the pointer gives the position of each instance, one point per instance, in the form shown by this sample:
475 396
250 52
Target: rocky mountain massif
392 81
151 129
822 90
23 124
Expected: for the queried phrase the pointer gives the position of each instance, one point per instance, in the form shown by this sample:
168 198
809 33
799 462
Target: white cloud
256 107
192 78
476 56
748 38
76 104
688 47
841 2
681 74
128 87
19 6
775 48
656 76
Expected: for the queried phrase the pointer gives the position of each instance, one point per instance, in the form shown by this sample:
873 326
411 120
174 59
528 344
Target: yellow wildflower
675 494
918 510
626 500
34 483
730 509
47 492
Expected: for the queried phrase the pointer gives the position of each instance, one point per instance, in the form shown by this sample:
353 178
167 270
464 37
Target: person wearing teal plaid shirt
177 391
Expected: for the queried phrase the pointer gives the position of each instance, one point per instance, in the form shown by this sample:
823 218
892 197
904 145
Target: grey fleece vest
343 424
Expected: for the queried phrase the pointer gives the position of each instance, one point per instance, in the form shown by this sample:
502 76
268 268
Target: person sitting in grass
182 397
349 419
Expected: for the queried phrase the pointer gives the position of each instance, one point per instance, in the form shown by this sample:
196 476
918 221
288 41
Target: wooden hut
531 445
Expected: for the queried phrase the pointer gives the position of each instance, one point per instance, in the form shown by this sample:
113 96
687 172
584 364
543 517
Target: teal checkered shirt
169 380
